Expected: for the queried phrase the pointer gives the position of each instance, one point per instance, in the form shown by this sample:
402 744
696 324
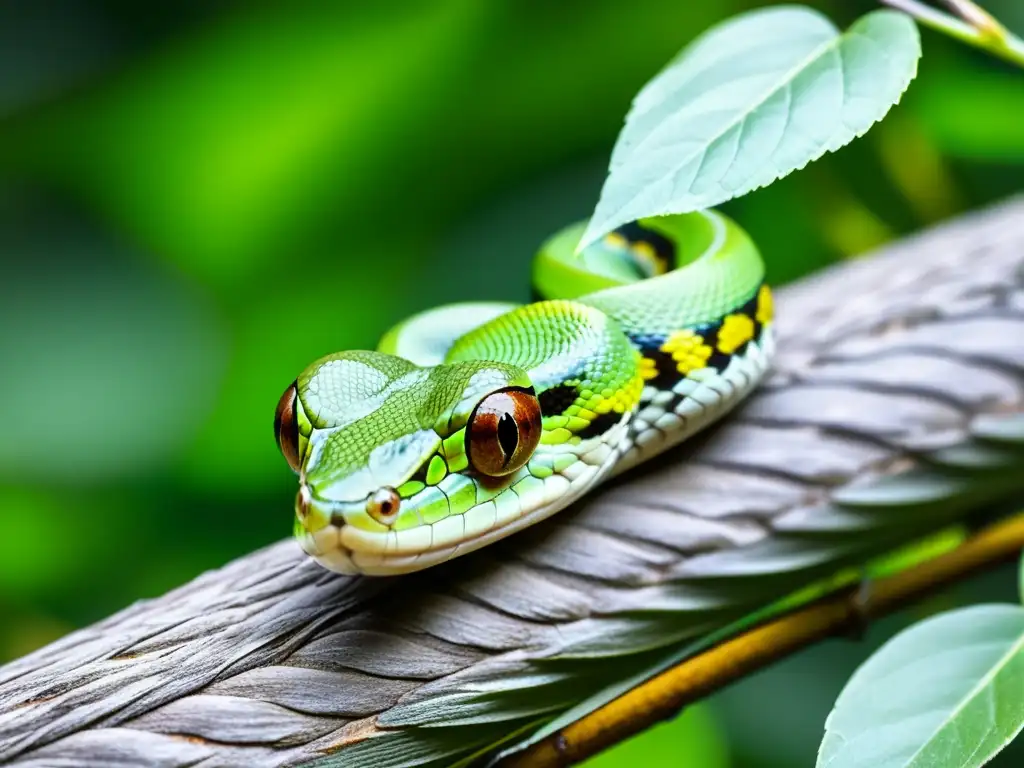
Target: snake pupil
508 435
503 431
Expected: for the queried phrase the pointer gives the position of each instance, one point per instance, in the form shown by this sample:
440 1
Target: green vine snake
472 421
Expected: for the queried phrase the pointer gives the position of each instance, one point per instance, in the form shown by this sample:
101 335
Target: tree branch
894 410
842 614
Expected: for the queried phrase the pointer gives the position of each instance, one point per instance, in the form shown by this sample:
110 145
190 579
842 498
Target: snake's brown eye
382 505
503 432
286 428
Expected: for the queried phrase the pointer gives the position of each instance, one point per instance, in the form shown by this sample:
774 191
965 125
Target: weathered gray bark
896 405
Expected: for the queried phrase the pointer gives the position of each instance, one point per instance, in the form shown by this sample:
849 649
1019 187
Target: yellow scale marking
736 331
688 350
765 305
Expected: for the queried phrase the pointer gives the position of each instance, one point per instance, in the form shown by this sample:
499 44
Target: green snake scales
472 421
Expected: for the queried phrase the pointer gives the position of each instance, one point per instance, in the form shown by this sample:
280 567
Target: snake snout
319 535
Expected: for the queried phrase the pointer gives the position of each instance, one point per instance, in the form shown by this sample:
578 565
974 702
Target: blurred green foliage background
198 199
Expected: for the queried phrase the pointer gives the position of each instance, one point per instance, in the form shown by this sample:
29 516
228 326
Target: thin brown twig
972 25
977 17
664 695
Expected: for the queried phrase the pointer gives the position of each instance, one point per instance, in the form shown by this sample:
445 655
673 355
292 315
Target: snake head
386 449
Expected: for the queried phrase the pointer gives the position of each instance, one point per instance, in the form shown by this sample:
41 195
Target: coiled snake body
472 421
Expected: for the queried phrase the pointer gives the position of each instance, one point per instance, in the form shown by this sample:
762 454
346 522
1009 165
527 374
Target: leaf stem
665 694
977 17
975 26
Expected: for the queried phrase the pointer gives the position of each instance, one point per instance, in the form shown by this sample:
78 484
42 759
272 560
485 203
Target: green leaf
948 691
748 102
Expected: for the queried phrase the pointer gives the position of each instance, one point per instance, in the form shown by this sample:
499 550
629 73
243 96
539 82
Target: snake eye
382 505
503 432
286 428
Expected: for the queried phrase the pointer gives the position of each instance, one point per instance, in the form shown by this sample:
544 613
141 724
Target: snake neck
688 292
584 368
648 321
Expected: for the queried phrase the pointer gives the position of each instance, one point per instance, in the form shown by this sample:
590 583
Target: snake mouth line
343 548
338 557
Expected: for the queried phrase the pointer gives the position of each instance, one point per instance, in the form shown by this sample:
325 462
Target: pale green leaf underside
748 102
948 691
